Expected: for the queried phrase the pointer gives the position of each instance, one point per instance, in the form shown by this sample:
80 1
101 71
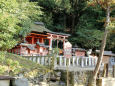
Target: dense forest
89 22
84 21
79 18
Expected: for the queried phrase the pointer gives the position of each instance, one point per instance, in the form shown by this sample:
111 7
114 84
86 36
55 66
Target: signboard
112 60
67 50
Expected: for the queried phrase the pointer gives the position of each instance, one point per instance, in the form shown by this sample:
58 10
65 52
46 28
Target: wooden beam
37 34
57 35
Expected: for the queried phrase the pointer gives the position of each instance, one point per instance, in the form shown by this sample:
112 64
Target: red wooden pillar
42 41
17 50
14 51
32 40
20 50
57 41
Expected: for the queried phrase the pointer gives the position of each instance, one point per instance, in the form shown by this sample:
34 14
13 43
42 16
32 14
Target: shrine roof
80 49
40 27
30 46
108 53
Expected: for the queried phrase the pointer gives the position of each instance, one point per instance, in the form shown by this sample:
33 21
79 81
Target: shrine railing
60 62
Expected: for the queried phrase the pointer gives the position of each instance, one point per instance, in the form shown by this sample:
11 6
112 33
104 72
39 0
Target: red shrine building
40 41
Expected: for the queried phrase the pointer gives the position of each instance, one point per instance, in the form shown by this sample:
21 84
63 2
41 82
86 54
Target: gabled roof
107 53
40 27
30 46
80 49
42 45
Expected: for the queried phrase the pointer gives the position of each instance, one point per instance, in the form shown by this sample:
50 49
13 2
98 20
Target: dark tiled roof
6 78
39 27
30 46
42 45
80 49
108 53
58 33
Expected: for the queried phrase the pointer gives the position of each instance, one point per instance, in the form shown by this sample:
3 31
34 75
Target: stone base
4 82
106 81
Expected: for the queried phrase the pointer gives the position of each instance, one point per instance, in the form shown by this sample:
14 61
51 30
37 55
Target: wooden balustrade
60 62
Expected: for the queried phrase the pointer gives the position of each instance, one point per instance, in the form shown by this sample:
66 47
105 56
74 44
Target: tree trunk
93 78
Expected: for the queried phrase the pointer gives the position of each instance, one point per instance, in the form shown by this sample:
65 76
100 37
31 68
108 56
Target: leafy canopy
15 20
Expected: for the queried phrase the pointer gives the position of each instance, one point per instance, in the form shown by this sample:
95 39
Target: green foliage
90 29
11 67
83 21
88 38
15 20
13 64
111 42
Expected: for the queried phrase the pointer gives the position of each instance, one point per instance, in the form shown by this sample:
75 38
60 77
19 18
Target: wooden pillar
32 40
20 50
105 70
57 41
114 71
42 41
14 51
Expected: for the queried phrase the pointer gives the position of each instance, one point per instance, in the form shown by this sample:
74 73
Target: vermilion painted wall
80 53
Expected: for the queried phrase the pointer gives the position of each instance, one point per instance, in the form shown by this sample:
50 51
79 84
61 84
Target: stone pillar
38 60
69 62
86 61
60 61
89 61
77 62
50 42
82 63
73 61
42 60
65 61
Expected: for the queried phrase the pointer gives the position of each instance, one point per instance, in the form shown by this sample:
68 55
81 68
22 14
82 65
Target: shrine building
40 41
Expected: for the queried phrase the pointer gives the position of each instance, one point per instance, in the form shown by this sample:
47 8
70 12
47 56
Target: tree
88 29
64 14
59 16
105 4
15 19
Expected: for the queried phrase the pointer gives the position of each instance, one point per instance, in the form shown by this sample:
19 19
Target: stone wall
106 81
79 78
82 77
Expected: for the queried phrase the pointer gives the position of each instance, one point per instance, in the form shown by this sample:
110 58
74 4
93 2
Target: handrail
60 62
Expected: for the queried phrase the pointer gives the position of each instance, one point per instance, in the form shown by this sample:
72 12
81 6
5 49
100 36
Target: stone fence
60 62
